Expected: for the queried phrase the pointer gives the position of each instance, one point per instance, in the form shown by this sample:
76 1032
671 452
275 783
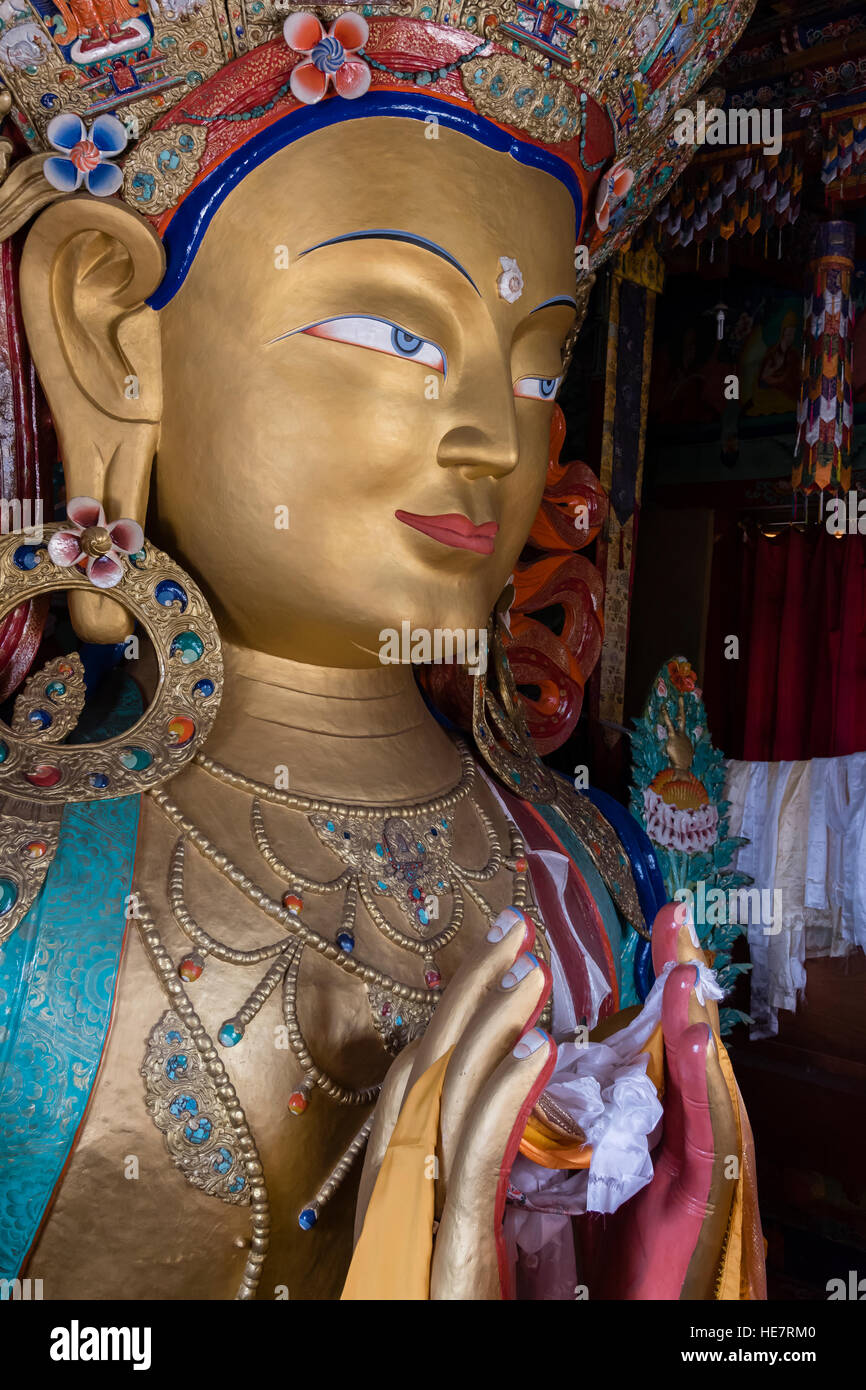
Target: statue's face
368 390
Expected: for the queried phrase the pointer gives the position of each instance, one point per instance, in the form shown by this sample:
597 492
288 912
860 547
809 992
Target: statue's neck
342 735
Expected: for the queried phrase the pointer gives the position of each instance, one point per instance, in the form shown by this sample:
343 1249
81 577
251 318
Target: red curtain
797 604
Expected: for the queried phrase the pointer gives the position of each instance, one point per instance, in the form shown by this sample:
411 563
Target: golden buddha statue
313 350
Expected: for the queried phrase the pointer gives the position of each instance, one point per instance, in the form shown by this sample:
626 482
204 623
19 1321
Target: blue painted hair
187 227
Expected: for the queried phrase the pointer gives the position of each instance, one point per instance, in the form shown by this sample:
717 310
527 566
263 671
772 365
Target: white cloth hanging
806 823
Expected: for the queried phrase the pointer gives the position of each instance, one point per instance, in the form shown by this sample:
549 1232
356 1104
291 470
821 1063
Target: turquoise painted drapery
58 976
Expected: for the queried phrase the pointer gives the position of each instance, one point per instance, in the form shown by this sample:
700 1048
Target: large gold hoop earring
511 756
34 765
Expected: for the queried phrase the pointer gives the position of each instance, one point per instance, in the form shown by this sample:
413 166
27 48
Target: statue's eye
537 388
382 336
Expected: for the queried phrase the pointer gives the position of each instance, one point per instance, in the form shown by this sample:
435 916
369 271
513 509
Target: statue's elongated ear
87 269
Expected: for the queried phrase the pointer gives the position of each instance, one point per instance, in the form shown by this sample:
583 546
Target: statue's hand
666 1242
498 1067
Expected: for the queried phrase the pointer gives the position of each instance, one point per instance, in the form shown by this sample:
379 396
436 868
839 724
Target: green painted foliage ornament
677 787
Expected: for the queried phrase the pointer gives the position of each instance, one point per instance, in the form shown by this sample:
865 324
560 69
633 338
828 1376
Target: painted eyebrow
563 299
388 234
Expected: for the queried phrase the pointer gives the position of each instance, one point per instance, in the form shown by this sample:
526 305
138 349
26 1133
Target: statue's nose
490 449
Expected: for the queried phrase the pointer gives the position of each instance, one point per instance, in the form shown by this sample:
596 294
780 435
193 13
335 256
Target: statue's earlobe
87 269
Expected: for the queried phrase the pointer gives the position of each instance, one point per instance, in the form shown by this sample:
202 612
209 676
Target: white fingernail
529 1043
503 923
519 970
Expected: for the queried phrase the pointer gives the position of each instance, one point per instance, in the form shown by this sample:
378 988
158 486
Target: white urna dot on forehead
509 283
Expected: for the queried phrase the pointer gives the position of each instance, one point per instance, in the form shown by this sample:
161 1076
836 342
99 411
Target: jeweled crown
595 82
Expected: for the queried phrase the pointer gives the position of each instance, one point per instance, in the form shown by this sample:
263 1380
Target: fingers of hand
709 1165
510 934
504 1014
674 939
481 972
468 1261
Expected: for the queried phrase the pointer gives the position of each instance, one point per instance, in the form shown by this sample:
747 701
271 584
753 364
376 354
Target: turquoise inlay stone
237 1184
329 825
135 759
398 1021
203 688
308 1218
380 851
169 592
423 918
183 1105
8 895
138 558
188 646
173 1036
345 941
40 717
222 1160
230 1034
4 751
55 688
176 1066
27 557
383 886
198 1131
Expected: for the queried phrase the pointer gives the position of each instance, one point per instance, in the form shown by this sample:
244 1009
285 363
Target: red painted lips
455 530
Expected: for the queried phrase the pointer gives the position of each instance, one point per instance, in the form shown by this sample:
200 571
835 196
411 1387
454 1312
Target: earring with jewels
84 553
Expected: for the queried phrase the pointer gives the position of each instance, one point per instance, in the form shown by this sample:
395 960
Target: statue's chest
244 1060
191 1170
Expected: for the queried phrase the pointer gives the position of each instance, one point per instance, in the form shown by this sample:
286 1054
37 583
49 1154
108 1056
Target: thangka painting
754 333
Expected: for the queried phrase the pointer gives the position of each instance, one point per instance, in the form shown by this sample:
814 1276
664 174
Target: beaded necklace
397 853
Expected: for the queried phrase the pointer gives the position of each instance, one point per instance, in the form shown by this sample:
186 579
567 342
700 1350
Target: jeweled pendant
231 1033
345 941
308 1218
432 978
300 1099
191 967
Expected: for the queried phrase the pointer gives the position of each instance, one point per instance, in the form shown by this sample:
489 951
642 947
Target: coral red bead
190 967
297 1102
293 902
520 866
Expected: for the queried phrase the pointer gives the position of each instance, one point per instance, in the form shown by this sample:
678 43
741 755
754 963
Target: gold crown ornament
147 99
